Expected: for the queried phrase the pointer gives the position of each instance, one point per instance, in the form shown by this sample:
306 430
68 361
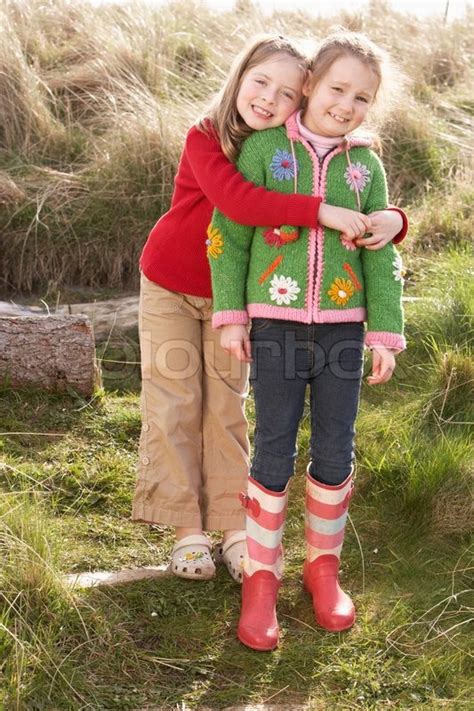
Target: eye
260 81
289 95
363 99
337 88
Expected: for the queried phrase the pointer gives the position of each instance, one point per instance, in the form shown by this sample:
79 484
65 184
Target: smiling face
341 99
270 91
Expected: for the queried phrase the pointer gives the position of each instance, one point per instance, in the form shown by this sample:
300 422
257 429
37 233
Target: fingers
367 222
382 371
373 242
356 227
382 377
248 350
240 349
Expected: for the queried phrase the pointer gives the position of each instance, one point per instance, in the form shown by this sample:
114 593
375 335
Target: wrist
323 213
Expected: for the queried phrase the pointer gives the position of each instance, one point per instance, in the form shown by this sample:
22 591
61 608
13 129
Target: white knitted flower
283 290
398 272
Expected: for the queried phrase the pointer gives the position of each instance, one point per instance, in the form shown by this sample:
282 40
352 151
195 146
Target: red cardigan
174 255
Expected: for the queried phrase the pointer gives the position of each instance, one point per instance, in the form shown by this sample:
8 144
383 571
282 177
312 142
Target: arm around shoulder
240 198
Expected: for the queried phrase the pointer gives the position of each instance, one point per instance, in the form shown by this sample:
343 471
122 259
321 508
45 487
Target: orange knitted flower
215 242
341 291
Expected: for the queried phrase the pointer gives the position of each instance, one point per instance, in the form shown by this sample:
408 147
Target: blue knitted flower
282 165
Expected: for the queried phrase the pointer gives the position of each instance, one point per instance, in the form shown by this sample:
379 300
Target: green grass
65 506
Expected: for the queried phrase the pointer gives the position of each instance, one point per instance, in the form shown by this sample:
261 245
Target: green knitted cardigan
302 274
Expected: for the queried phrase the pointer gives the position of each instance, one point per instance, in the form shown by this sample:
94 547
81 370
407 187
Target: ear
307 86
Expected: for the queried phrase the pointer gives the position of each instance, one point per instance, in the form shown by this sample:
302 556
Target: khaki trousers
194 450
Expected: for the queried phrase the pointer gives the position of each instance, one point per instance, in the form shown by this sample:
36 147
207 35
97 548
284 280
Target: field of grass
87 157
67 484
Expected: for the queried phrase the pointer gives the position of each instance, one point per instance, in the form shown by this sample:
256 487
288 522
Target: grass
65 505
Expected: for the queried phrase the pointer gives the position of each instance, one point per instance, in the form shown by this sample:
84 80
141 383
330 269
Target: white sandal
191 558
231 553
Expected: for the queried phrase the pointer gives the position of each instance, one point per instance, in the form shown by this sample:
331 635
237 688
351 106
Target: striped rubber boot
325 520
263 566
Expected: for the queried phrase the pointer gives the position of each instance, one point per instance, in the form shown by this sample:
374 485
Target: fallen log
54 353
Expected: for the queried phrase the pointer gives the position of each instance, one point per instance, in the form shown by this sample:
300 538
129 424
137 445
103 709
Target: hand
351 223
235 340
383 365
386 224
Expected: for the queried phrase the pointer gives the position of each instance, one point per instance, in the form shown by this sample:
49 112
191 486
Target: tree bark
54 353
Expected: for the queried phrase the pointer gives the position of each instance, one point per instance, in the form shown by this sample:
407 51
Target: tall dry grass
95 102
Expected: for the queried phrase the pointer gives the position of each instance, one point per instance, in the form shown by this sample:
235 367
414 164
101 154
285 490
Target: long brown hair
222 116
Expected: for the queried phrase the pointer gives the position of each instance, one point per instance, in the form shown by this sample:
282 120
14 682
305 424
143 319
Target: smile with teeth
261 112
341 119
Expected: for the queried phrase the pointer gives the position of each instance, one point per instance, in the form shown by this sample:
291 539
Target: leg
282 356
279 402
334 402
225 455
169 472
168 488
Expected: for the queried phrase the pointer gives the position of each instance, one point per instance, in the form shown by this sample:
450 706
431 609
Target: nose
269 95
346 104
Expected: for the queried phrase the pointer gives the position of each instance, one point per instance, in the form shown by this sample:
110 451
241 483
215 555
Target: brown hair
343 43
222 116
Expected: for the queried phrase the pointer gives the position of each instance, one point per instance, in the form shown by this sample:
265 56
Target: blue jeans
288 356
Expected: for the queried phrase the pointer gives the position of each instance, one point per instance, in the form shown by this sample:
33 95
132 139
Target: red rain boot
326 514
258 624
263 566
333 608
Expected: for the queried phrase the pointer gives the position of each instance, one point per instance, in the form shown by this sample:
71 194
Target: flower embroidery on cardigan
341 291
283 290
282 165
357 176
398 272
348 244
278 237
215 242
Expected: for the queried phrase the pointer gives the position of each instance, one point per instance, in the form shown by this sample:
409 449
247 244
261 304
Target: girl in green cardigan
308 292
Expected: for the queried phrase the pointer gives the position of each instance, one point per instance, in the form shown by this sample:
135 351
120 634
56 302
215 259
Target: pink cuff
394 341
225 318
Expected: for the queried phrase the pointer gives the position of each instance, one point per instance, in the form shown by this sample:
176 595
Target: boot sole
255 647
329 629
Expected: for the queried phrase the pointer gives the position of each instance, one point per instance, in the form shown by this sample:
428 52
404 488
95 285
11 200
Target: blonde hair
343 43
222 116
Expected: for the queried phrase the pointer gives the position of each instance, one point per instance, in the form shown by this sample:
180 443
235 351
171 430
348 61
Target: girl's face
270 91
339 102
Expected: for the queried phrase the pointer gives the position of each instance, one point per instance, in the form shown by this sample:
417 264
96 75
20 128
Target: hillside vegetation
95 101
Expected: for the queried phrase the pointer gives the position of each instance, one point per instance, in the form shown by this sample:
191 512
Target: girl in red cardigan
194 453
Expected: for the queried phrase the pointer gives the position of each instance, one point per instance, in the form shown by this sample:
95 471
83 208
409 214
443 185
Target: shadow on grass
33 419
119 358
176 639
